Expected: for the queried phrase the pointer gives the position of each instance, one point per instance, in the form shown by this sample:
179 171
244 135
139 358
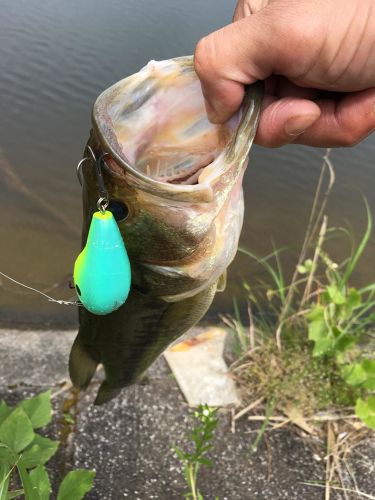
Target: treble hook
103 200
78 169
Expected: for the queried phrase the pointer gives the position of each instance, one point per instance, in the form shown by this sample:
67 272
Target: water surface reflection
55 58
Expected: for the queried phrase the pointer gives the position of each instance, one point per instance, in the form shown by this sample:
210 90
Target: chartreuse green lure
102 273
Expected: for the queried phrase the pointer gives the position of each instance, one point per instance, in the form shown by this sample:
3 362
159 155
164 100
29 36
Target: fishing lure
102 274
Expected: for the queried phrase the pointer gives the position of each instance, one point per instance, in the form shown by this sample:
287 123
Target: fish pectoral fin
82 366
106 393
144 379
222 282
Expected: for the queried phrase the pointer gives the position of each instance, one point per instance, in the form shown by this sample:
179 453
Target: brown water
55 58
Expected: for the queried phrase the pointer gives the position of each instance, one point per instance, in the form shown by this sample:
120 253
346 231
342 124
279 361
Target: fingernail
298 124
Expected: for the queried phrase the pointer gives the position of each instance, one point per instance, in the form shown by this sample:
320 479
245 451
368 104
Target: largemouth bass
175 185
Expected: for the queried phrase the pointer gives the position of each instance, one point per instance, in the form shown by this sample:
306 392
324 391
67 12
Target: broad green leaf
336 295
16 431
356 375
343 343
6 454
39 451
322 346
354 298
316 313
369 367
353 301
362 374
365 410
369 384
38 409
40 480
318 329
5 410
335 331
319 333
76 484
15 494
31 493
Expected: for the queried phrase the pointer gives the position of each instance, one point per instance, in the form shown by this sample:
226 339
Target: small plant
315 331
25 451
318 347
338 323
201 436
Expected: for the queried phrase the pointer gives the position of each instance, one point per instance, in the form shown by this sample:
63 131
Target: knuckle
205 56
300 40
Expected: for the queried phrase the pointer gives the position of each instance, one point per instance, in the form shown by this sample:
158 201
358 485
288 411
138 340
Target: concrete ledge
34 357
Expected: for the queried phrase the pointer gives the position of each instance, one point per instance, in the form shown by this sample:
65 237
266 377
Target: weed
25 451
201 436
308 348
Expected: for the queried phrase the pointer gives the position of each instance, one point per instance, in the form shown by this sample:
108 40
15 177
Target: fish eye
119 210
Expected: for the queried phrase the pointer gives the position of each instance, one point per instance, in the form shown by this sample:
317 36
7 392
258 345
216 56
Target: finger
342 123
225 63
283 120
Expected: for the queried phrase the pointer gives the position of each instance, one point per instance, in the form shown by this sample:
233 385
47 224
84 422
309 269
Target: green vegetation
201 436
25 451
309 344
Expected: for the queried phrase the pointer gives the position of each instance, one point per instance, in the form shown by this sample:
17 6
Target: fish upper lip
109 144
203 191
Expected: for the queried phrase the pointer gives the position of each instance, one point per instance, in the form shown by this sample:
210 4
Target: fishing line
111 256
48 297
102 205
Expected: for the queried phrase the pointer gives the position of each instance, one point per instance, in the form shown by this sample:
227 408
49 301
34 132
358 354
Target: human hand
317 58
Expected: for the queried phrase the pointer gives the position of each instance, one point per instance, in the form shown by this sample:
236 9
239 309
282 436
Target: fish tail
82 366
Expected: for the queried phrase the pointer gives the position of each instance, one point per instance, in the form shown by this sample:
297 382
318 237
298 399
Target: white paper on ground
200 370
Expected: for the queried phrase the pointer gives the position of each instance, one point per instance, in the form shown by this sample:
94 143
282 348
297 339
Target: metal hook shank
103 201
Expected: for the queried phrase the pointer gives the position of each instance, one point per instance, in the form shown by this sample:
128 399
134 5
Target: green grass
309 342
293 378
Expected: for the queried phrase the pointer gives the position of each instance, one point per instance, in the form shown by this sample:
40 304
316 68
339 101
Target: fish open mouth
160 124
